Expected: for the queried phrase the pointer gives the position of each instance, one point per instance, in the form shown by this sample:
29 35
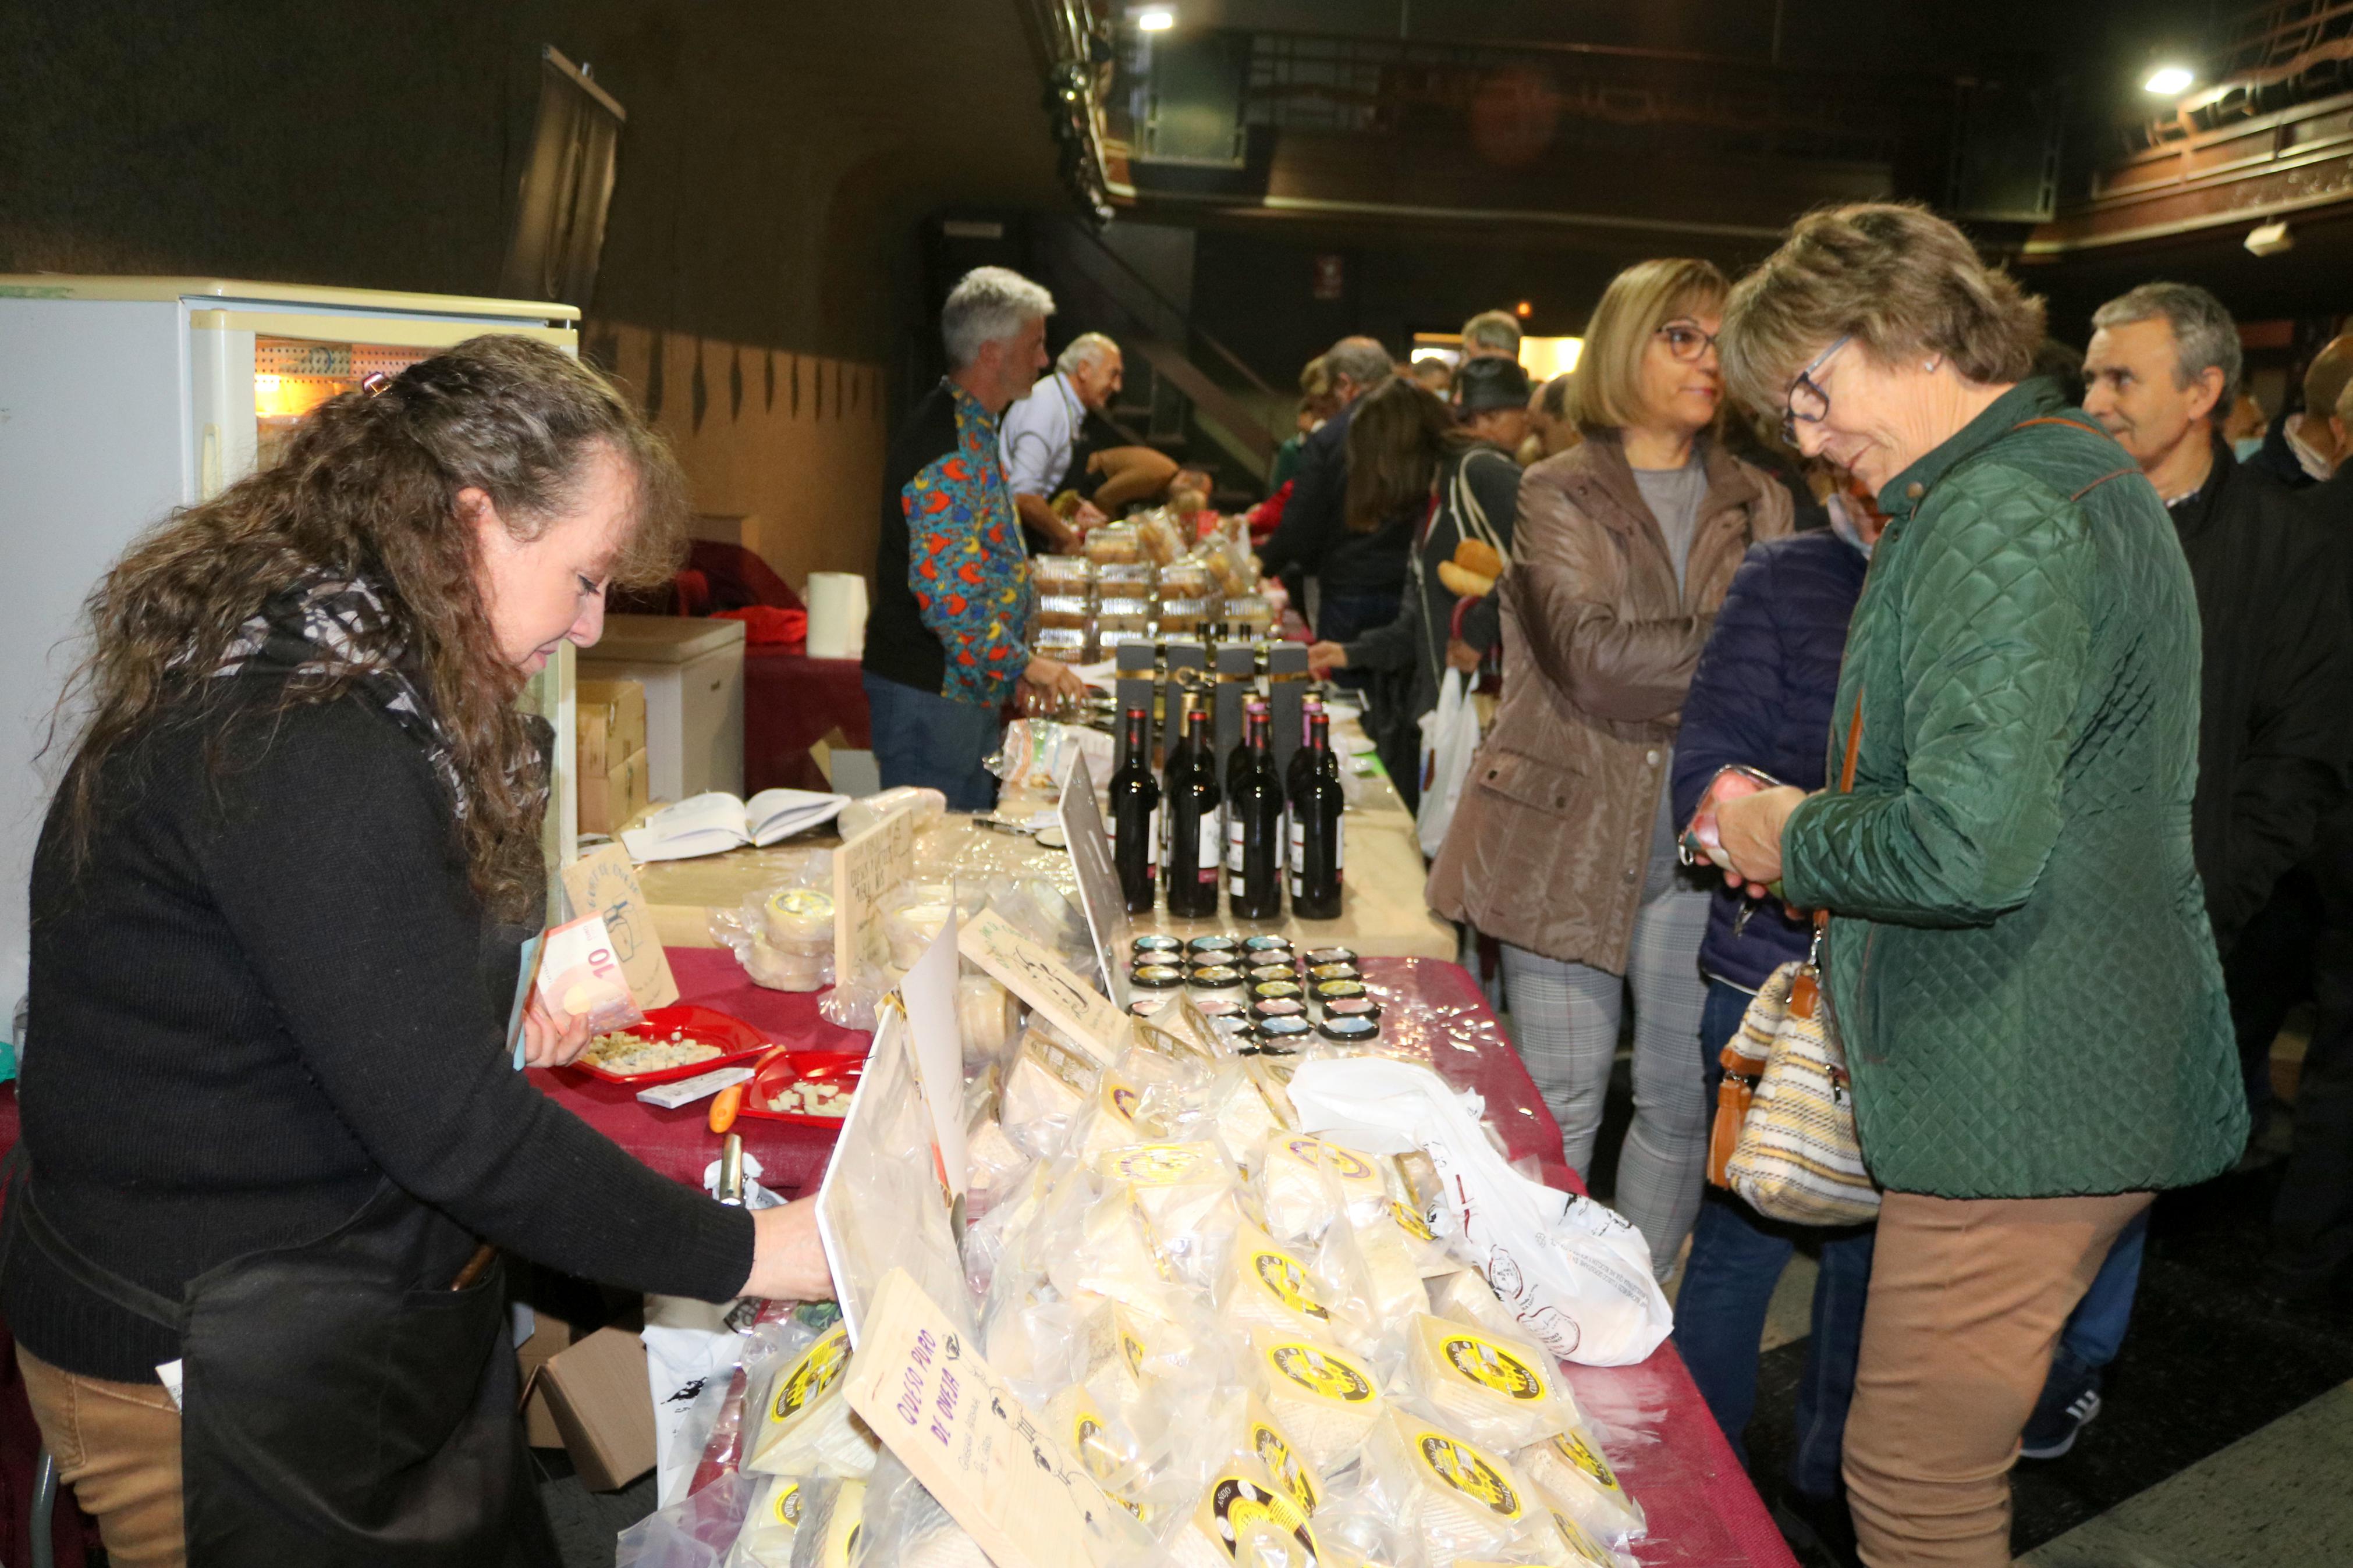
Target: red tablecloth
791 702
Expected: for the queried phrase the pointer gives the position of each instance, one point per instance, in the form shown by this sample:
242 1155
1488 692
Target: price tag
864 870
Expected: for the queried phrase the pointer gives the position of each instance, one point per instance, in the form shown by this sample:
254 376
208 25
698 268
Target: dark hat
1490 381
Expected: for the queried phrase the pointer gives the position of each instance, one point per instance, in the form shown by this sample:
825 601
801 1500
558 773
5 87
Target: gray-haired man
946 643
1042 438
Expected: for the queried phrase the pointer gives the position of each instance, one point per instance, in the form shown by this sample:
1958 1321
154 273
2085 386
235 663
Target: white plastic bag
1575 1274
1450 739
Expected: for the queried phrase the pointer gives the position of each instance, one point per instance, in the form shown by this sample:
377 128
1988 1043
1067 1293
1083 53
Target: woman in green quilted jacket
2018 959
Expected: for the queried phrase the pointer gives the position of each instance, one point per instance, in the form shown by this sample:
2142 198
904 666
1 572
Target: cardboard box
610 716
550 1335
609 799
598 1397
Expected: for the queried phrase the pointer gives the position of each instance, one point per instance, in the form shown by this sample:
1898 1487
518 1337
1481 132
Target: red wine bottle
1136 820
1196 847
1254 834
1318 849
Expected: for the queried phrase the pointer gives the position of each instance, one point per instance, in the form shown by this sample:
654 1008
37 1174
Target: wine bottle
1136 820
1303 759
1238 763
1254 831
1318 849
1195 829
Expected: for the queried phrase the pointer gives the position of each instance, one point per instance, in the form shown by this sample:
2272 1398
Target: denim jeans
1736 1259
2095 1330
923 738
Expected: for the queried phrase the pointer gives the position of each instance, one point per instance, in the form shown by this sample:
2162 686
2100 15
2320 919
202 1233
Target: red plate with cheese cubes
808 1089
715 1039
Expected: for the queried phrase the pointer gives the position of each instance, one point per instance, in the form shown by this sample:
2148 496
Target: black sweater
265 992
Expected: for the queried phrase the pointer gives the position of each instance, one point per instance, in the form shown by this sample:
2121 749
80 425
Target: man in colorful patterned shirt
947 644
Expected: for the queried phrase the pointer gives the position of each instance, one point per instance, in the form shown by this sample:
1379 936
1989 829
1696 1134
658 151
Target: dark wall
774 162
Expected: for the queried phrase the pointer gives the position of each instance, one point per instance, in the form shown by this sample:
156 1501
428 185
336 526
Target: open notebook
708 824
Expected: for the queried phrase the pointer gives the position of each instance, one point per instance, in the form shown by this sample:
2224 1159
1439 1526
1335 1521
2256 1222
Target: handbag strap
1846 786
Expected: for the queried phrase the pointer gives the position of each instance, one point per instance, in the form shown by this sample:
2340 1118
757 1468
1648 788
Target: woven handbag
1784 1137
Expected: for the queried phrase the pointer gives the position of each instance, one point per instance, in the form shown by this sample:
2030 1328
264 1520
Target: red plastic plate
834 1067
736 1038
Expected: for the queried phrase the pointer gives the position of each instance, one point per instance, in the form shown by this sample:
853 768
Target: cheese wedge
1570 1466
1391 1278
1048 1084
1496 1391
1264 1435
1246 1517
1179 1187
1585 1551
1326 1399
807 1426
1307 1183
770 1522
1265 1285
1467 1298
1456 1499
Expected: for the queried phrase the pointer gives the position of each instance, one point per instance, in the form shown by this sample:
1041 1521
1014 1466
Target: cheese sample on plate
1049 1085
1326 1399
1499 1392
1456 1499
1246 1520
1306 1182
1265 1285
1569 1466
805 1425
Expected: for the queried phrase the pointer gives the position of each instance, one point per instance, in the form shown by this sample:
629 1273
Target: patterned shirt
961 627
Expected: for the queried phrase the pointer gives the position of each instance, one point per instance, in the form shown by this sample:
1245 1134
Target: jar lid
1349 1031
1215 1007
1332 955
1267 941
1352 1008
1286 1030
1334 971
1145 1006
1266 990
1156 976
1266 972
1216 977
1203 945
1333 989
1277 1007
1155 944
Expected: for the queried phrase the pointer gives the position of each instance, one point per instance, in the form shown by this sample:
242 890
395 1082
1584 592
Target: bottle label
1152 841
1339 845
1233 842
1207 850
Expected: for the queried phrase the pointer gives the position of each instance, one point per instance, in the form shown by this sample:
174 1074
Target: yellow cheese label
1345 1165
1287 1283
1152 1164
820 1368
803 901
1132 1349
1582 1542
1320 1371
1585 1456
1271 1446
1124 1099
1487 1364
787 1506
1410 1221
1464 1468
1240 1509
1094 1449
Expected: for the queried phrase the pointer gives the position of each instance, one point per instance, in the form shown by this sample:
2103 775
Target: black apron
337 1404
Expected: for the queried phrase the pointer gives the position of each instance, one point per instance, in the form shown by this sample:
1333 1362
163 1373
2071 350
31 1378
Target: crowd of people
2042 657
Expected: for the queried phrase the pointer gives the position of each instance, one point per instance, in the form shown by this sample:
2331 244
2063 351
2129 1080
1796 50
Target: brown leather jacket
1548 846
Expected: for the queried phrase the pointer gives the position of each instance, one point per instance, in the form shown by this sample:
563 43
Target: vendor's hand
551 1041
1047 684
788 1260
1325 656
1749 828
1461 656
1086 515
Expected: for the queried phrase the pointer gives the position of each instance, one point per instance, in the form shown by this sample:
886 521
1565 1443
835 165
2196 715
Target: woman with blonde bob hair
2017 716
272 1129
1563 847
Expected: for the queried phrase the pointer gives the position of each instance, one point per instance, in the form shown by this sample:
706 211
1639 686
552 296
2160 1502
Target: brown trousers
1967 1299
1130 474
118 1446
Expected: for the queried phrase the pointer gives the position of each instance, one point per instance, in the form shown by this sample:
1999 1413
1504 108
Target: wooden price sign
1032 972
606 884
922 1388
864 870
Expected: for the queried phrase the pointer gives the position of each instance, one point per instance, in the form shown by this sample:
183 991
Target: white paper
715 822
1100 898
930 991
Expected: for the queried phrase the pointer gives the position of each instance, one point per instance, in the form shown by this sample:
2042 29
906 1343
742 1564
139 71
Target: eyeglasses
1686 341
1808 402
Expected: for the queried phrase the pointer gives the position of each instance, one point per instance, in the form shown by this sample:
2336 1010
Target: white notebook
709 824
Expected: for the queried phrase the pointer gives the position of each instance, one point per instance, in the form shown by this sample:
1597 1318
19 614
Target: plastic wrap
1570 1468
770 1523
930 805
1326 1399
1037 753
832 1512
783 933
1498 1391
1446 1494
699 1532
804 1426
901 1525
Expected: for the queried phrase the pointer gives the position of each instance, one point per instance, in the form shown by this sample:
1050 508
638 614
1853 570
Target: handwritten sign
864 869
1032 972
924 1389
606 884
1100 897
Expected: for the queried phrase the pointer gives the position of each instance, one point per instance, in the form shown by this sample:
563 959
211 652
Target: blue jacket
1762 697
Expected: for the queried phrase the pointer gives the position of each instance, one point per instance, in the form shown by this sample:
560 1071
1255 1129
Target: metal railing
2270 56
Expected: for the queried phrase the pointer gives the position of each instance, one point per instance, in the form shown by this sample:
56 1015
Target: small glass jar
1149 949
1353 1007
1215 1007
1218 980
1285 1034
1327 992
1355 1032
1266 972
1332 955
1333 971
1277 1007
1267 943
1156 977
1212 949
1271 989
1145 1007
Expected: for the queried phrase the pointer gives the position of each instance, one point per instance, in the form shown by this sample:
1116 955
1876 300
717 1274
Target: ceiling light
1523 310
2167 80
1154 19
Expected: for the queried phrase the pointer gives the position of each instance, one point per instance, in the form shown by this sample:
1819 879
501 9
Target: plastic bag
1037 753
783 933
929 805
696 1534
902 1525
1449 739
1576 1276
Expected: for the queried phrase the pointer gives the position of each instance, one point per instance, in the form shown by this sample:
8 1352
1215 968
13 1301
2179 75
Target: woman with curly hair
270 1128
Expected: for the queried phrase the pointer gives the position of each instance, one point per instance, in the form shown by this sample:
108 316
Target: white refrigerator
122 398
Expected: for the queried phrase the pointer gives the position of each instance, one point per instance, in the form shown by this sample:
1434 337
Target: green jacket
2018 962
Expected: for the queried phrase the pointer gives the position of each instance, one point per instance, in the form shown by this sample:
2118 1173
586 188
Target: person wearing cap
1446 616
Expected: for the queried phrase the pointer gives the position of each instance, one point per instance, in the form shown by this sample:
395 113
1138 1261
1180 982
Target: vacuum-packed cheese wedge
1430 1258
1585 1549
1265 1284
1243 1120
1391 1276
1047 1085
1115 1256
1262 1435
806 1426
993 1163
1179 1187
1326 1399
1467 1298
1498 1391
1076 1420
829 1525
1152 1346
1570 1466
1457 1498
1246 1517
1306 1182
1110 1120
770 1522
